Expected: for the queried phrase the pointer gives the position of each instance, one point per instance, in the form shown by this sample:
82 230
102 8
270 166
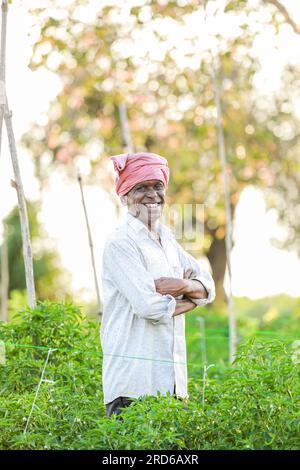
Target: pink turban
133 168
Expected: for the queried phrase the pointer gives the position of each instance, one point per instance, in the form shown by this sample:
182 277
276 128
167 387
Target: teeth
152 205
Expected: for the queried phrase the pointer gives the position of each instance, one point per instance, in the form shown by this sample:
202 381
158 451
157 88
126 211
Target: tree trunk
217 258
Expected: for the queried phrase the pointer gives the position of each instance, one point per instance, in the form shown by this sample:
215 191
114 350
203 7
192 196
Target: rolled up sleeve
204 276
123 266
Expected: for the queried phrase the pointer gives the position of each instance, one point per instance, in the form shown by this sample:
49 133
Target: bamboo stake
27 253
79 178
203 339
4 253
17 184
2 63
3 39
4 277
127 142
228 226
228 234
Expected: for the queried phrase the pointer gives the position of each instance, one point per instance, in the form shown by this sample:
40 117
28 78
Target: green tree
51 281
170 101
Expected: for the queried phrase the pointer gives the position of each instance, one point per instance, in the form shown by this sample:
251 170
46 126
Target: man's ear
124 200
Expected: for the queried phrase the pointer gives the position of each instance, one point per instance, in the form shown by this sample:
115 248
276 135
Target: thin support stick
203 340
90 243
127 142
127 146
17 184
228 227
228 242
3 39
4 277
2 63
37 390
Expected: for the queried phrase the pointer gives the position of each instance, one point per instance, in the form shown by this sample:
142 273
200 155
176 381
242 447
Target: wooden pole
203 339
4 261
4 8
4 252
228 234
17 184
4 277
127 142
127 146
90 243
228 226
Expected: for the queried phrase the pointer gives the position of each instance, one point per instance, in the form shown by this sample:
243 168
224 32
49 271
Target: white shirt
144 350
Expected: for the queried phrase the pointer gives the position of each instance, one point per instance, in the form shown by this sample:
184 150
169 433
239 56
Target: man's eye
158 187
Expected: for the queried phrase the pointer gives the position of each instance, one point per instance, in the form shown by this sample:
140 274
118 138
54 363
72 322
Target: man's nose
151 190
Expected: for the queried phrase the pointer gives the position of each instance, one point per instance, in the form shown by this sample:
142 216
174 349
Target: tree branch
286 15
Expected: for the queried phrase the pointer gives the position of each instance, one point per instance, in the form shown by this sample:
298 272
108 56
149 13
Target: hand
193 288
183 306
189 274
170 285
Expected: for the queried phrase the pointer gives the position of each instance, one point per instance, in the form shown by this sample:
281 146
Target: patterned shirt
144 350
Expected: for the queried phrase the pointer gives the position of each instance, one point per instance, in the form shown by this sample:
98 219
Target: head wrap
133 168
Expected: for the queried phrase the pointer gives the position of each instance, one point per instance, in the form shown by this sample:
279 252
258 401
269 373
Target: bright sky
258 268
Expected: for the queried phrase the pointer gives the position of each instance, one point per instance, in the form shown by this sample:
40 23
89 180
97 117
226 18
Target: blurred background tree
51 279
126 56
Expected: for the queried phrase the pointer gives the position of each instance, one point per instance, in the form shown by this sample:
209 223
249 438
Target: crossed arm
187 287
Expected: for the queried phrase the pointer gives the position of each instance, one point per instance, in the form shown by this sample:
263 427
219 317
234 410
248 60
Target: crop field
51 394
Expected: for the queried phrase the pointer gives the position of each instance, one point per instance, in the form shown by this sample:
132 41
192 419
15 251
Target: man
148 282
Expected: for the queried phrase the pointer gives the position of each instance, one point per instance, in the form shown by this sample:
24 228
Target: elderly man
148 283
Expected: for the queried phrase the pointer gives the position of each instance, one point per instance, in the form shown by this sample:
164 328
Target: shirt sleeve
123 266
188 262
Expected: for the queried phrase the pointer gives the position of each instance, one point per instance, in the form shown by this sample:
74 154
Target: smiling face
146 201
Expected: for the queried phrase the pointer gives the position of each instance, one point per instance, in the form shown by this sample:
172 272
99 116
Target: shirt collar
139 227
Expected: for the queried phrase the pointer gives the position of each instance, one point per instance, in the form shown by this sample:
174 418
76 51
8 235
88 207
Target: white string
205 369
37 390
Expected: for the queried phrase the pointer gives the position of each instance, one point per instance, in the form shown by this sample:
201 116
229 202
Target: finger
187 273
192 273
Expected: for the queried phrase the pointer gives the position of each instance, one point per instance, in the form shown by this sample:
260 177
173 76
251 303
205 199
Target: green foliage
276 317
253 405
170 101
73 394
51 281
